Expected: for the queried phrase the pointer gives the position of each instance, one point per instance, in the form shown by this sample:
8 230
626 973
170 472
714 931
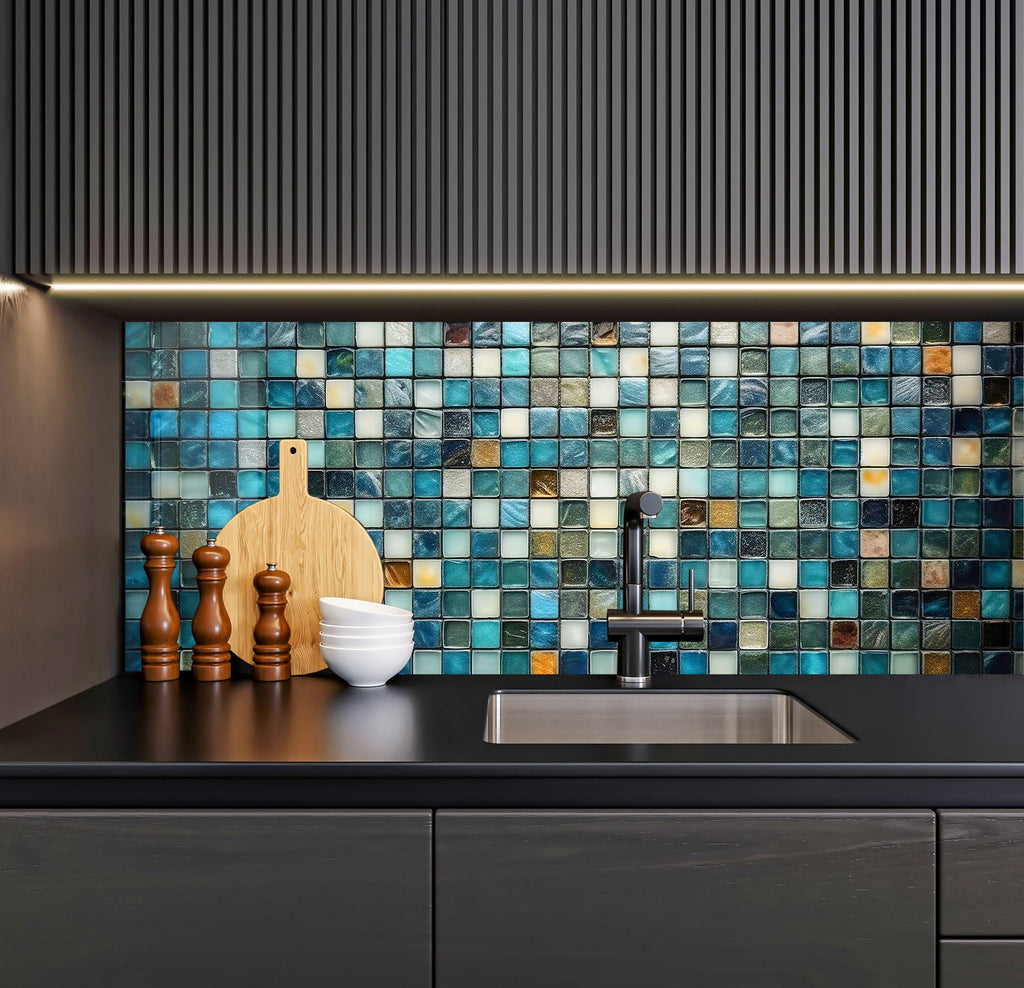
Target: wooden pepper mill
272 650
211 626
160 622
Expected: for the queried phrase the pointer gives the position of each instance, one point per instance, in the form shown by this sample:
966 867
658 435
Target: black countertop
921 741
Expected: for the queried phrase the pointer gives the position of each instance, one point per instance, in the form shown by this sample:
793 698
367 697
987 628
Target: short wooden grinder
272 651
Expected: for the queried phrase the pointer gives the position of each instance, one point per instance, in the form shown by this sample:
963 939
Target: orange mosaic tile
723 514
544 663
937 360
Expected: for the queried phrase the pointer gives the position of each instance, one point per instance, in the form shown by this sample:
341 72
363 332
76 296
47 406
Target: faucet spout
633 628
637 507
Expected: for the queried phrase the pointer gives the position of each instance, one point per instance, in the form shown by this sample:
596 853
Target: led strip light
554 285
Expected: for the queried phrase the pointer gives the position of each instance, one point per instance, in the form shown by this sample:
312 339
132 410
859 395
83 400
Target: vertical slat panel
60 208
853 210
437 80
304 151
168 121
7 136
407 154
241 205
229 161
508 136
929 164
90 209
602 138
183 260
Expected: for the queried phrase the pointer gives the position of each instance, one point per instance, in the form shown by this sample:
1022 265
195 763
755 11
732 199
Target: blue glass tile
753 573
723 391
844 513
906 421
281 363
996 421
223 334
224 394
813 483
814 333
515 393
967 332
368 362
904 482
906 360
252 334
223 454
996 483
845 544
996 360
194 363
515 362
693 333
163 424
874 663
575 452
874 392
845 452
753 392
281 334
783 663
814 663
633 391
664 361
398 362
784 361
341 362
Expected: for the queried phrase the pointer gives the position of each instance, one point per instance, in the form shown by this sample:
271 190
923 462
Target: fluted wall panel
518 136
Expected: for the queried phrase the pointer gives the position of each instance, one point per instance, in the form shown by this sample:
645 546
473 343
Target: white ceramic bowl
362 666
373 631
344 610
367 641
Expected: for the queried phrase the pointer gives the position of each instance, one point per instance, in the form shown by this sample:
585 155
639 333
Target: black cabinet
167 899
981 963
544 136
981 856
606 898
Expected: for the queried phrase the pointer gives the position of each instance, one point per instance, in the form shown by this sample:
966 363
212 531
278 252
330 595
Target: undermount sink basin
655 717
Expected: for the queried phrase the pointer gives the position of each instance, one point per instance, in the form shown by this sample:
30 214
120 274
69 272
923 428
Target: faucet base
635 682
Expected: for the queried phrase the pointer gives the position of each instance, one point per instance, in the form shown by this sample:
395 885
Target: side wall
60 487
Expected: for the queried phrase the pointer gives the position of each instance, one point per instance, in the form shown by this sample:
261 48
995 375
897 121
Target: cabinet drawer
168 898
981 963
602 899
981 873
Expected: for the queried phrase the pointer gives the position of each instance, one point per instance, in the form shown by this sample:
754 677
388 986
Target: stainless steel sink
655 717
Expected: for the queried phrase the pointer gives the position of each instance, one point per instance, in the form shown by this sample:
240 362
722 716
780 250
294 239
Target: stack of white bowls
362 642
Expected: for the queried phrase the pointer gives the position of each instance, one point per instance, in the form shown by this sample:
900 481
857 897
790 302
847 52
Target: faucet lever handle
689 604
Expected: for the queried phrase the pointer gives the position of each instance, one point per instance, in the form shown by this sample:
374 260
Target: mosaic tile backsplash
849 495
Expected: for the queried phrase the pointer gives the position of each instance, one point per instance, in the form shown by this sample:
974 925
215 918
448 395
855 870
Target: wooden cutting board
325 551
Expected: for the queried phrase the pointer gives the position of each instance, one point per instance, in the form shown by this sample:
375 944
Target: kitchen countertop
921 741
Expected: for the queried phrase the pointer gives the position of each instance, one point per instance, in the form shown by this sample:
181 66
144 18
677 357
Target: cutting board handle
294 468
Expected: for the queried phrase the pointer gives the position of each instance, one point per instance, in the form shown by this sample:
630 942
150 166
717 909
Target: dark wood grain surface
703 899
981 868
981 963
169 900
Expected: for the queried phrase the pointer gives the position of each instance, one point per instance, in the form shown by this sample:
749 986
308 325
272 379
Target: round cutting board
325 551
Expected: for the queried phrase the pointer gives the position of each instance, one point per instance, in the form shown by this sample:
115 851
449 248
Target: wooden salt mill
160 622
211 626
272 651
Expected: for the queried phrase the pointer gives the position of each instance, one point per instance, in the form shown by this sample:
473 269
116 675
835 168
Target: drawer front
981 963
981 873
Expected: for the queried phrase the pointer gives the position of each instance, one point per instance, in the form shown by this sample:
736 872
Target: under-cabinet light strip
534 286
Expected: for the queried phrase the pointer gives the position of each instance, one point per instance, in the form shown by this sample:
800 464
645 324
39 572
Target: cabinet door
604 898
981 963
981 854
170 899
